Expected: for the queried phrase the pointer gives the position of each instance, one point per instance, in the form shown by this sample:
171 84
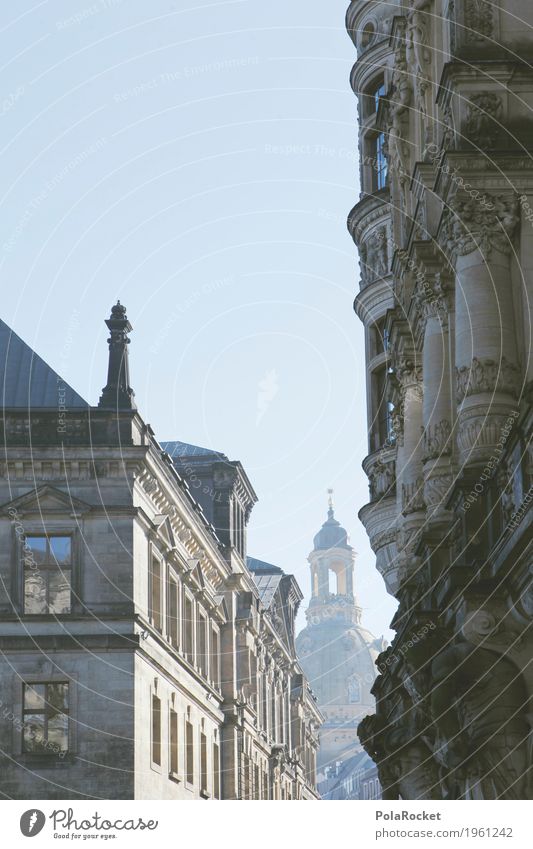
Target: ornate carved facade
143 655
445 92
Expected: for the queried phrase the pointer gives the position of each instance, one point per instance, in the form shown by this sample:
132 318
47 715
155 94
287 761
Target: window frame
51 677
18 573
188 598
173 596
45 713
204 765
156 765
214 666
155 555
202 645
189 747
216 770
382 166
174 774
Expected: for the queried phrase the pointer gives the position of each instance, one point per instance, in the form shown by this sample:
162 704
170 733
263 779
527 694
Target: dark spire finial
118 394
330 504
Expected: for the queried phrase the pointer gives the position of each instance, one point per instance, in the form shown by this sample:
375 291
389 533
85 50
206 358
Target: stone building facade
141 654
443 229
338 657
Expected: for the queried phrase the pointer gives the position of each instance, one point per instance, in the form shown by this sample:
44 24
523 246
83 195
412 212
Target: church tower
336 652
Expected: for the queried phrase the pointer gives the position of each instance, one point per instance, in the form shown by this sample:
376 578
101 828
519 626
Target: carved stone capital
485 375
482 224
437 440
413 496
437 489
382 478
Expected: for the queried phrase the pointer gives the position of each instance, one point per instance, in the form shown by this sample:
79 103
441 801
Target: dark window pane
58 732
33 733
57 698
60 550
59 591
156 730
173 742
34 695
189 753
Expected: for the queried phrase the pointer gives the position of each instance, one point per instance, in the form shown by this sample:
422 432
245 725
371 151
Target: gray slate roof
26 381
185 449
266 577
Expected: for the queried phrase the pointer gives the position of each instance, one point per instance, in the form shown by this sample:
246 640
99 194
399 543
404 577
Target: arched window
354 690
369 31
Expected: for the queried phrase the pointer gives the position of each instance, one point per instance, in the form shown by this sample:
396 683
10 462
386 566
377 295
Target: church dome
339 662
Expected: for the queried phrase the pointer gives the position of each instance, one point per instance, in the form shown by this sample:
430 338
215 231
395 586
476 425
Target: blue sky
198 161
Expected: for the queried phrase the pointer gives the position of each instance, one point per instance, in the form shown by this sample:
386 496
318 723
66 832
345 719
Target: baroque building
142 654
443 229
338 657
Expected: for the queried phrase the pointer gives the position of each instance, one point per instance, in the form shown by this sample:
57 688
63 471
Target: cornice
378 295
371 208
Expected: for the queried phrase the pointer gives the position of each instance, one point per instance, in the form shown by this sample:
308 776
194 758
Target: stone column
487 369
409 473
438 403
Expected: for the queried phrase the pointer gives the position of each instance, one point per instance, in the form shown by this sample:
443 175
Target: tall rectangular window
45 718
155 593
156 730
173 612
201 652
247 777
189 752
47 574
381 162
215 658
173 734
216 771
188 626
203 763
379 92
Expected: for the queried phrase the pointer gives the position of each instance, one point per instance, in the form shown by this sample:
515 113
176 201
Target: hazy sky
198 161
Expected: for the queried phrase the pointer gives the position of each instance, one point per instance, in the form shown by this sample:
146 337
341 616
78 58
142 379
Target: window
45 718
173 612
369 31
215 659
216 771
155 593
202 645
257 788
379 92
47 574
381 162
382 411
247 777
156 730
203 764
379 338
188 623
189 752
173 734
354 690
371 96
